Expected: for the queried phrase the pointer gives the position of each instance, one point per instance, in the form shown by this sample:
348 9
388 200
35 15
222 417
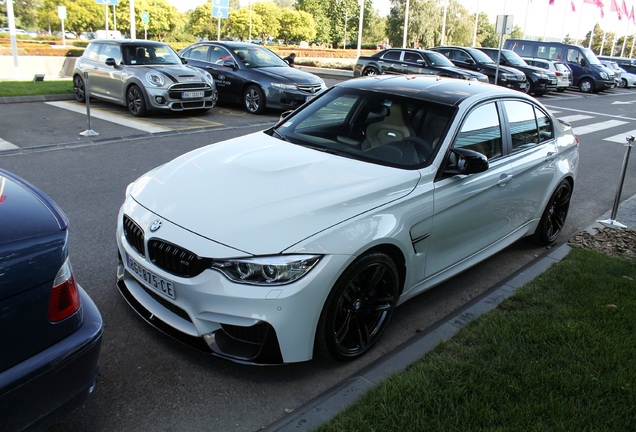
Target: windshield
150 55
513 58
437 59
375 127
256 56
480 57
590 56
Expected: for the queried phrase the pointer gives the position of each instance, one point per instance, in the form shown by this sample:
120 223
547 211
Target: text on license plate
159 284
193 94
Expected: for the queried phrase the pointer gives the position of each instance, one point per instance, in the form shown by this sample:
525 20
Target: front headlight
268 270
155 79
505 76
282 86
540 75
208 77
604 75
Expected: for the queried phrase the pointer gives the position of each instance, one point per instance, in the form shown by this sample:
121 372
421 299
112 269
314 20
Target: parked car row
150 76
533 67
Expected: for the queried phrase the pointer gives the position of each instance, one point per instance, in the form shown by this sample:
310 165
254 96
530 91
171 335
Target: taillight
559 74
65 299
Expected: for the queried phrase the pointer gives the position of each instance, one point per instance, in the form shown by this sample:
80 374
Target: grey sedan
253 75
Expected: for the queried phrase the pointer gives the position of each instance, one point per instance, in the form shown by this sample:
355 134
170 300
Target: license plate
522 85
193 94
151 280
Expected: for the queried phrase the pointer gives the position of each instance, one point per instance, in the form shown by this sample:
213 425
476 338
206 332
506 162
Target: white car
627 79
305 237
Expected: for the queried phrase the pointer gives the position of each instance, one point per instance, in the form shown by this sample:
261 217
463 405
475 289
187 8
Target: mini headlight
208 77
604 75
267 271
155 79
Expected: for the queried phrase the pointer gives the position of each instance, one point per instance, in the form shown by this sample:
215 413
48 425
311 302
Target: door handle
550 156
504 179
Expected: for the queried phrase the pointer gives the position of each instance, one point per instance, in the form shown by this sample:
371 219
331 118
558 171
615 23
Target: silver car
143 76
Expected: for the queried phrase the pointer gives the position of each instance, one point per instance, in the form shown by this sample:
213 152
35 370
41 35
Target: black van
588 73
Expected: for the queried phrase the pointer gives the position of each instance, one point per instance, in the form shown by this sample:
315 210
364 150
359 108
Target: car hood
262 195
25 211
288 74
176 73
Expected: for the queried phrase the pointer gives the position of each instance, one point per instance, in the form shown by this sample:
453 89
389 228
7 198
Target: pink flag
614 8
572 5
551 2
624 10
631 15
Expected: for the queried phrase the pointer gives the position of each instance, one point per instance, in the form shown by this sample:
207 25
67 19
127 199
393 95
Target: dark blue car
50 329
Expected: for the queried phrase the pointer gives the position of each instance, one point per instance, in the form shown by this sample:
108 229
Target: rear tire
554 215
79 89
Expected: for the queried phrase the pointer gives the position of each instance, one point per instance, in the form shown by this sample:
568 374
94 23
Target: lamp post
444 23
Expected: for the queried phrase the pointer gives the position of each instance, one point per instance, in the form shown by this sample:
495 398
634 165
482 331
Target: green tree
269 13
199 22
25 13
296 26
238 23
165 20
81 15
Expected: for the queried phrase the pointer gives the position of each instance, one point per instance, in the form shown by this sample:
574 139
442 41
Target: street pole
406 23
361 2
133 30
14 43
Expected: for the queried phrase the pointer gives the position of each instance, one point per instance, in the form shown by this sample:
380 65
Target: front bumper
287 99
163 100
243 323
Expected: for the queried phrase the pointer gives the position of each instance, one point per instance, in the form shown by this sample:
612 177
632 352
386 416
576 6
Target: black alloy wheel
554 215
135 101
79 89
254 99
359 307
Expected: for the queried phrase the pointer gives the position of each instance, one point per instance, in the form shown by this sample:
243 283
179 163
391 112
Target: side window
110 51
546 131
523 125
392 55
219 54
573 55
481 131
199 53
92 51
459 56
412 57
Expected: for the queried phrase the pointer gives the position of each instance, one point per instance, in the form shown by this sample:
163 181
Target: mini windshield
150 55
375 127
256 56
437 59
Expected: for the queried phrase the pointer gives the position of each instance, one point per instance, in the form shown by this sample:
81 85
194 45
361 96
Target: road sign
61 12
220 8
145 17
107 2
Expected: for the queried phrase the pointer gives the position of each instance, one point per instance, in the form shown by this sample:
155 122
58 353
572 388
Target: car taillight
559 74
65 299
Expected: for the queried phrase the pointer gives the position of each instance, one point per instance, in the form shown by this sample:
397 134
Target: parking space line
102 115
595 127
6 145
575 117
620 138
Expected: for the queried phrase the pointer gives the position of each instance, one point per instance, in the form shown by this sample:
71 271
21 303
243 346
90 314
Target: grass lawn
559 355
30 88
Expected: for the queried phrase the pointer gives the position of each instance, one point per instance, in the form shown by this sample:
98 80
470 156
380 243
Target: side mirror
183 60
230 64
111 62
583 62
285 114
469 61
464 161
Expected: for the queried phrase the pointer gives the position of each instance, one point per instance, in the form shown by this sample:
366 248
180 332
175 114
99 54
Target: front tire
79 89
359 307
254 99
623 83
136 102
554 215
586 86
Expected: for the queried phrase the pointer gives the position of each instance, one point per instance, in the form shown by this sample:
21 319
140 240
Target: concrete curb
38 98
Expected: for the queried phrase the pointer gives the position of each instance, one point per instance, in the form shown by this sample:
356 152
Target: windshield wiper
279 135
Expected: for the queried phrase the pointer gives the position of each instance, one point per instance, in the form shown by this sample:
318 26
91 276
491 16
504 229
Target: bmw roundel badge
155 225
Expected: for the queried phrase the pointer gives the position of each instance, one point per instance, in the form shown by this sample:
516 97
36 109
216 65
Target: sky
537 18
